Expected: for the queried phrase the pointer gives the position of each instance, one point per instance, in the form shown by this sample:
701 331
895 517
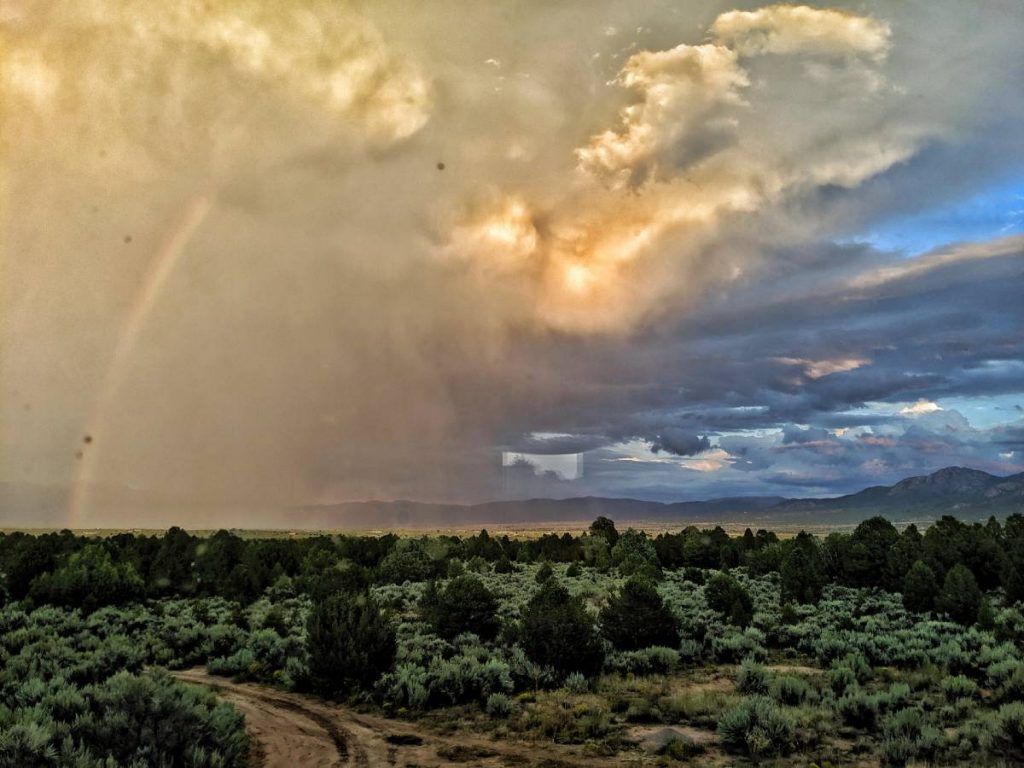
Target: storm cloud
319 252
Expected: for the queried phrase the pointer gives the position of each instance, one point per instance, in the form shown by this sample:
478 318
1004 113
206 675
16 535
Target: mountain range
969 494
966 493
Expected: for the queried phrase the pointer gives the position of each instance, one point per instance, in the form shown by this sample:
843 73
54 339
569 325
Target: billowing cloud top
689 154
789 29
316 251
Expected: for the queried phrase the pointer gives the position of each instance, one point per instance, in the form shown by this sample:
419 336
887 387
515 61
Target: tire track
245 698
296 731
339 737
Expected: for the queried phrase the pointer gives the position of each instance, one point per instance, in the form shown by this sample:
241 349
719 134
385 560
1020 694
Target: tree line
950 556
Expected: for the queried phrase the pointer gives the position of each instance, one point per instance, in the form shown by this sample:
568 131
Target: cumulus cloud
85 58
690 153
686 113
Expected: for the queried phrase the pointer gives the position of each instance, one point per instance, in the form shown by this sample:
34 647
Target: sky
309 252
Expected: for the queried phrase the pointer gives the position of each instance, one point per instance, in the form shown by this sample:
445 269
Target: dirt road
294 731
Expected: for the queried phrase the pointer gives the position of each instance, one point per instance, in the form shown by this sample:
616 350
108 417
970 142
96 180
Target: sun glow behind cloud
920 407
686 155
816 369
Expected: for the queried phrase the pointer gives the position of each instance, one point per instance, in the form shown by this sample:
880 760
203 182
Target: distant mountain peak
961 491
955 480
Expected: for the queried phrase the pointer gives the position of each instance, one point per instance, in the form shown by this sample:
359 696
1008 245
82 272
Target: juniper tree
637 617
464 605
557 632
803 571
350 643
920 588
727 596
960 596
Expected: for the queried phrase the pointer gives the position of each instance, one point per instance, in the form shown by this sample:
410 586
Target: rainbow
162 267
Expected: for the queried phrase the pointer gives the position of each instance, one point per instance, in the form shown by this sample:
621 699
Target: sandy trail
295 731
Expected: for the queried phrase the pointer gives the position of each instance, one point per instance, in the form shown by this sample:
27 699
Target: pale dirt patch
295 731
795 669
714 685
699 736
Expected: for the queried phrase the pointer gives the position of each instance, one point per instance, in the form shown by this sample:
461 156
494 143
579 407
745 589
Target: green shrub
1006 735
695 705
998 672
790 690
1012 688
858 664
682 750
959 687
89 579
499 705
544 573
841 678
852 669
407 561
464 678
236 665
690 651
649 661
734 646
576 683
897 697
859 708
758 728
634 553
548 719
406 686
526 673
752 678
126 719
641 710
907 736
